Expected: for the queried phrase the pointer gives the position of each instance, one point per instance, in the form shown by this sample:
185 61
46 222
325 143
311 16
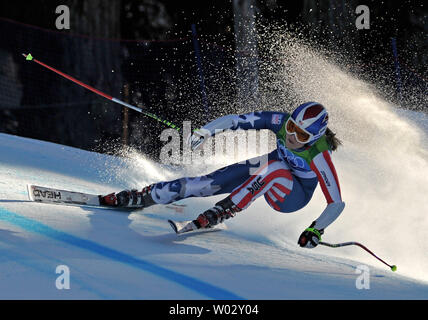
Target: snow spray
382 164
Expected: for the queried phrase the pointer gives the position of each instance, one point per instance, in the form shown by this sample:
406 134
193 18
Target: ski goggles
302 136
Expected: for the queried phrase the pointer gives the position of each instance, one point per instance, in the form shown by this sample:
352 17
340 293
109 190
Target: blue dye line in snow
194 284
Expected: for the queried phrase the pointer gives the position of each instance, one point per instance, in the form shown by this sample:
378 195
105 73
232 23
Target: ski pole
29 57
337 245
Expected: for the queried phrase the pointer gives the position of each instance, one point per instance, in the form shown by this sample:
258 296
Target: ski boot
222 210
129 198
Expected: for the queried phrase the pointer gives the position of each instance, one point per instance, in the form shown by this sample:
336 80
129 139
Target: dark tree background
161 74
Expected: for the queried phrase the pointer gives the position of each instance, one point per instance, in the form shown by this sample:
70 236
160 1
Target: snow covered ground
115 255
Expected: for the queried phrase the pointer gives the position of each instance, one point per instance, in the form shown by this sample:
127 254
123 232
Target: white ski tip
173 226
183 226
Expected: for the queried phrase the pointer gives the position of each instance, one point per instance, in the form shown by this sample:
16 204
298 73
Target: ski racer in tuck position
287 180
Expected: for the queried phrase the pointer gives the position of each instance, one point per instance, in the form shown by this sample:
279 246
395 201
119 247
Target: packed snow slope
120 255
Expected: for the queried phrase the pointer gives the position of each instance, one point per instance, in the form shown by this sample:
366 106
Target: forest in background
155 66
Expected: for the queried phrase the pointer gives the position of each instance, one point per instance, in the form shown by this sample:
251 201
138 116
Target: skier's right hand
198 138
310 237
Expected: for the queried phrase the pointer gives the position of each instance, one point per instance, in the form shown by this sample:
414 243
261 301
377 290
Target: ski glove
198 138
310 237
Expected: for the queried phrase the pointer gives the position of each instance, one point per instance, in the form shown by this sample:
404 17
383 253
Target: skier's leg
283 197
274 174
223 180
298 198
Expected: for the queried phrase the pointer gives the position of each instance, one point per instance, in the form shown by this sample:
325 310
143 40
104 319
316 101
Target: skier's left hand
310 237
198 138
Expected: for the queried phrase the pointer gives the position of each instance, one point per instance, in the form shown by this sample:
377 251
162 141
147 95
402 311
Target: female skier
287 180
